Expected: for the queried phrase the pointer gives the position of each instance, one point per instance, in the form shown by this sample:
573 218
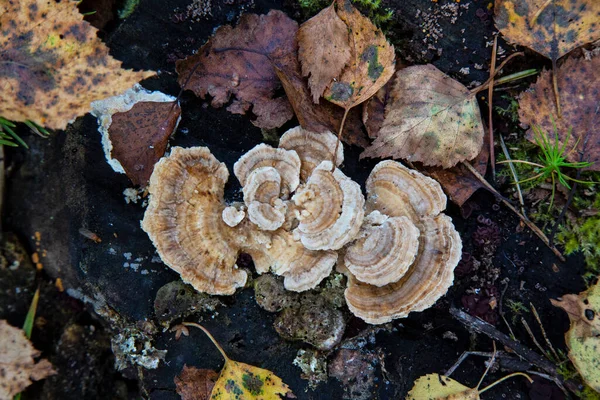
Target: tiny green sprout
553 161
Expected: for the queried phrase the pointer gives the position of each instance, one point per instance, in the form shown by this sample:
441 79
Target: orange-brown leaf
139 137
579 86
322 117
429 118
53 65
17 365
195 384
371 64
323 49
552 28
240 62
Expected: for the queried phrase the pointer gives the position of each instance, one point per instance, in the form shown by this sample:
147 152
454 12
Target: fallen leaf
323 49
195 384
17 365
371 64
458 182
243 381
374 109
579 85
583 337
240 62
429 118
551 28
439 387
139 137
322 117
52 64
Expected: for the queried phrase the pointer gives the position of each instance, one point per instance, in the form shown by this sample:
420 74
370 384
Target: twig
500 355
539 321
490 122
532 336
513 171
501 311
479 326
553 379
523 218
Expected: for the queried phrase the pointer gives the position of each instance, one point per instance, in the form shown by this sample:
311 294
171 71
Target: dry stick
479 326
523 218
501 311
339 138
513 171
490 94
556 381
530 332
539 321
486 83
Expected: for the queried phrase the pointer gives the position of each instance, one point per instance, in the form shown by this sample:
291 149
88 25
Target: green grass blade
29 319
5 122
8 143
16 137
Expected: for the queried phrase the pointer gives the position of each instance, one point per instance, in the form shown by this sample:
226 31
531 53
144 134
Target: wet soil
63 184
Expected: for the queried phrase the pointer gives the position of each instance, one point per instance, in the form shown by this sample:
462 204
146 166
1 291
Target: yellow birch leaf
239 381
243 381
583 338
439 387
53 65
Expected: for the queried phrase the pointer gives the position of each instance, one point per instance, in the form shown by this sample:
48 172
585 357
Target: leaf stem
212 339
505 378
339 138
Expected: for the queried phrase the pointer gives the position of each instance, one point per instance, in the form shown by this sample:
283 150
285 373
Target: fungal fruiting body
299 218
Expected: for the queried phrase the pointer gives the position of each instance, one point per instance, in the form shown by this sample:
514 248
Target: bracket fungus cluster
301 216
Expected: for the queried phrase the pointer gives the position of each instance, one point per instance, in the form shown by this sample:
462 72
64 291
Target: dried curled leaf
552 28
195 384
323 49
579 85
438 387
372 62
52 64
17 365
583 338
323 117
430 118
240 62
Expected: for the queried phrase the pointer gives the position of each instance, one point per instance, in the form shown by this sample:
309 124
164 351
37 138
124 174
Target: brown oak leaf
52 64
17 365
372 61
240 62
579 86
195 384
429 118
323 49
551 28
